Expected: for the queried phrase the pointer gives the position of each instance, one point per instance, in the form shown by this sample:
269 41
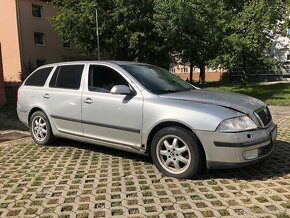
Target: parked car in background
145 109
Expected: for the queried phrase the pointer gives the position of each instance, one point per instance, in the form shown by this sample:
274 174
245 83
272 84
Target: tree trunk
244 79
191 71
202 74
244 66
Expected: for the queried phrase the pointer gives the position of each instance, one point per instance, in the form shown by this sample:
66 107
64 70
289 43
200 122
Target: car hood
239 102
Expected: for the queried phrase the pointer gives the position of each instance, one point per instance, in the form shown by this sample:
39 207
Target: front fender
196 116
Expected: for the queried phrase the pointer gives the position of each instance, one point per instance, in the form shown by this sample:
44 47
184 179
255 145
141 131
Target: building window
184 70
40 62
39 38
288 57
211 70
196 70
36 11
172 70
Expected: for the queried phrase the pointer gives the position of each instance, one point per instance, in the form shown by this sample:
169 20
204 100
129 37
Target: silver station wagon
145 109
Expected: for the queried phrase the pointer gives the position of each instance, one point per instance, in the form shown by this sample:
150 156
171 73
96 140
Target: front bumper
228 150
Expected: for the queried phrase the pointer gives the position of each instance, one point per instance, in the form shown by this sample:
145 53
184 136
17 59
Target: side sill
105 143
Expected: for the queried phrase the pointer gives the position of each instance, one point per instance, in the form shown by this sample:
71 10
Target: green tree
28 68
126 28
194 27
223 32
249 31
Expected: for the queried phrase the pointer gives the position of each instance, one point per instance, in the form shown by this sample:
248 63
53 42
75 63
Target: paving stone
72 179
12 136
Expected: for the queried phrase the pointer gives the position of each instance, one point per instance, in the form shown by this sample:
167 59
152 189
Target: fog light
251 154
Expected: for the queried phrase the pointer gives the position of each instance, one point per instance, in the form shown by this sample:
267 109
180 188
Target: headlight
237 124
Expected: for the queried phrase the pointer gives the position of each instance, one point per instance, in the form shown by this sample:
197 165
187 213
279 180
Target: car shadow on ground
103 150
277 165
8 122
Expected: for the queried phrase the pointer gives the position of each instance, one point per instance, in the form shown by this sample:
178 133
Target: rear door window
67 77
39 77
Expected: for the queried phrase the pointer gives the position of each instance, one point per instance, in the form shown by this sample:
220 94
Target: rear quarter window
39 77
67 77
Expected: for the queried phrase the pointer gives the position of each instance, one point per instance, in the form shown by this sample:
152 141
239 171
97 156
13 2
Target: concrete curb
280 110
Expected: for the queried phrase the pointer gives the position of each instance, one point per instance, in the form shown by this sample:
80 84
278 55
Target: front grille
264 116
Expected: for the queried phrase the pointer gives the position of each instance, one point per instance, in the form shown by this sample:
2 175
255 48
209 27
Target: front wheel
176 152
40 128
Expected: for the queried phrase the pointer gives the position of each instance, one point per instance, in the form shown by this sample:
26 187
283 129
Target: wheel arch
49 137
177 124
32 111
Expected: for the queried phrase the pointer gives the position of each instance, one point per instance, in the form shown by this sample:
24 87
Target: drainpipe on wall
19 35
2 91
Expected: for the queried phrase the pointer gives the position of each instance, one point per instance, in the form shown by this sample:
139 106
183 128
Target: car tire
176 152
40 128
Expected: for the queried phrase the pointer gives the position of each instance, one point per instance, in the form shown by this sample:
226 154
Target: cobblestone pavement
71 179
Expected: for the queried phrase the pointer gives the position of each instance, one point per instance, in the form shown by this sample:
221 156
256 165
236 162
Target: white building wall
280 48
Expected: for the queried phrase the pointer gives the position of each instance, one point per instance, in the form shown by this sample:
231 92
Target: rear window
67 77
39 77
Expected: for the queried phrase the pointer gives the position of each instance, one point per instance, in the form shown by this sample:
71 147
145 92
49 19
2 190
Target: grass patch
171 215
130 188
286 204
30 211
150 209
116 204
283 215
66 208
148 201
117 212
272 94
190 215
132 202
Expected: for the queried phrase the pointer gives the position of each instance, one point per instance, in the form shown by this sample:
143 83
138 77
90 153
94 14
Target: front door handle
46 95
88 101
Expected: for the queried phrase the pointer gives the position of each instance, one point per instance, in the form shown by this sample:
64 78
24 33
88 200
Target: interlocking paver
72 179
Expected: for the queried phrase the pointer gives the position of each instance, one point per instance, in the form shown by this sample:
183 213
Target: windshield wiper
163 91
189 89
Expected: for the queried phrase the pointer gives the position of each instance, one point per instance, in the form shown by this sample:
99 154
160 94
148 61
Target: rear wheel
176 152
40 128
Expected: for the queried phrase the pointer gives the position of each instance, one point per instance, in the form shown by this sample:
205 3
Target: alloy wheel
173 154
39 128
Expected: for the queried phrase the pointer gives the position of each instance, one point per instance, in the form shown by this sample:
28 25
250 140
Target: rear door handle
47 96
88 101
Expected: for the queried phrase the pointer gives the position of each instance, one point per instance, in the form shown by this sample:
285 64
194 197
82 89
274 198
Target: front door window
102 79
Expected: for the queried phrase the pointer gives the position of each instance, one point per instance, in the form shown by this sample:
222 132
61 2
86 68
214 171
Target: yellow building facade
28 39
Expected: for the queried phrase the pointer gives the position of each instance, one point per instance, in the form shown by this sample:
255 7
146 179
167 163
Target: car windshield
157 80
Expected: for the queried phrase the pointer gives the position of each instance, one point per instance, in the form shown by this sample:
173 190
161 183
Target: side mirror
121 90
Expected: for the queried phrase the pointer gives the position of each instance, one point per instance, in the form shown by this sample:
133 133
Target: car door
107 117
62 98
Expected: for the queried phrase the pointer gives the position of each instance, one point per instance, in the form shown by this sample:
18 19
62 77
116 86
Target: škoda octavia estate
145 109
